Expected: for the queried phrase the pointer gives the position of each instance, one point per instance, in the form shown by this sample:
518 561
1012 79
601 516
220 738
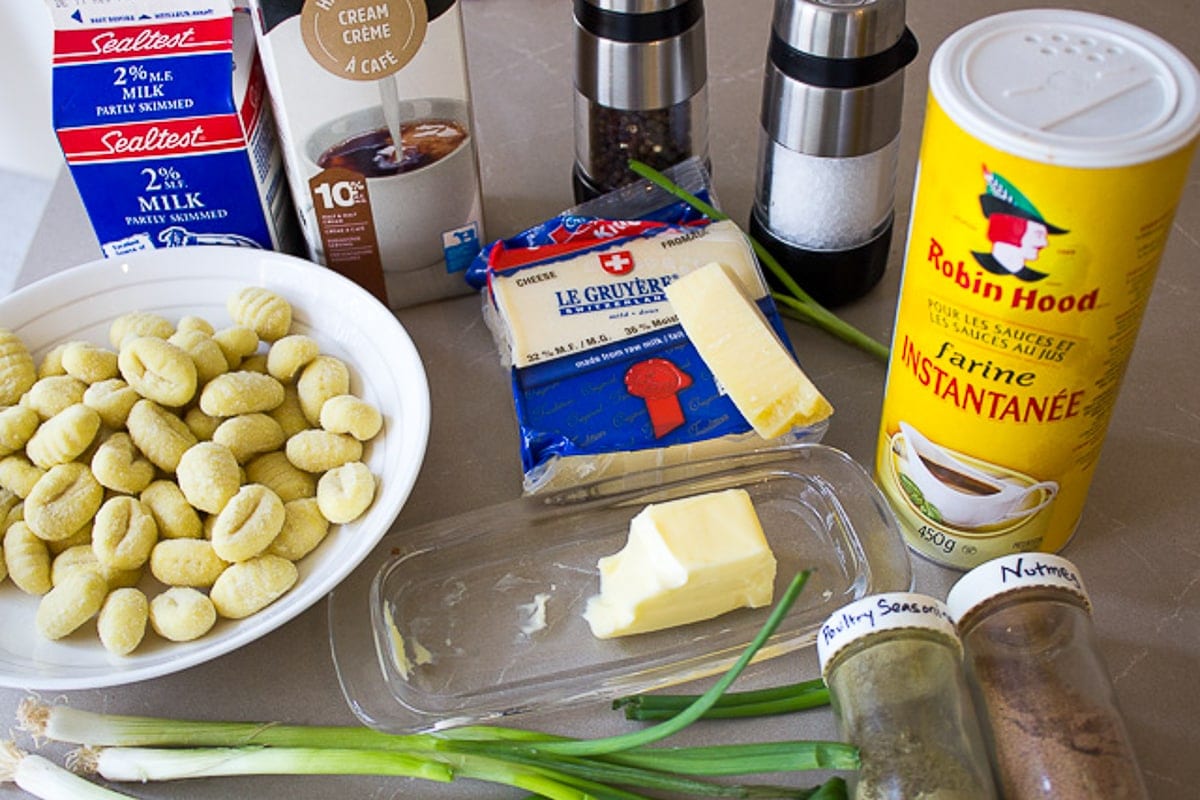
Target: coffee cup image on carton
419 190
954 489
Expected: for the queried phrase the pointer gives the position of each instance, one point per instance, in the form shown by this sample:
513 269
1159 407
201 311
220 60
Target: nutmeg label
363 40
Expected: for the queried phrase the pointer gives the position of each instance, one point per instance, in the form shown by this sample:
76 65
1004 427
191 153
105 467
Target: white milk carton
348 78
160 108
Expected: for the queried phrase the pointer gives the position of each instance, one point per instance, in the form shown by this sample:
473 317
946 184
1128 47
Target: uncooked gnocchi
51 363
226 462
346 413
111 399
158 370
202 425
122 621
208 475
289 414
173 514
323 378
134 324
17 426
27 559
89 363
237 343
345 492
70 604
252 585
19 475
248 523
17 371
204 351
82 556
240 392
290 354
248 435
64 436
315 450
274 471
191 322
261 310
121 467
124 533
63 500
182 614
186 562
159 434
304 527
52 394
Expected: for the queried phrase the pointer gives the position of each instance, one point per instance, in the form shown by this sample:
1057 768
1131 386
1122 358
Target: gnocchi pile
213 460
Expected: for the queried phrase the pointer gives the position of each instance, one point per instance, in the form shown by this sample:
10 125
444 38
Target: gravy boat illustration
965 495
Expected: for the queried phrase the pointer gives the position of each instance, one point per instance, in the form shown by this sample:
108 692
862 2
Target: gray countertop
1137 545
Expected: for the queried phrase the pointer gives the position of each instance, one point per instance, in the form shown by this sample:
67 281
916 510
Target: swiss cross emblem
618 263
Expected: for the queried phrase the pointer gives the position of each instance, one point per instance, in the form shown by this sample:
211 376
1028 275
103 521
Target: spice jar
893 665
640 89
1052 724
832 96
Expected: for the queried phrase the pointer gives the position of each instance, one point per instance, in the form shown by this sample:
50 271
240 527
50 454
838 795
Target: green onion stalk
126 748
798 304
784 699
43 778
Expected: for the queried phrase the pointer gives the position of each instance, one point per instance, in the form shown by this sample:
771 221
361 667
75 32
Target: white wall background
29 156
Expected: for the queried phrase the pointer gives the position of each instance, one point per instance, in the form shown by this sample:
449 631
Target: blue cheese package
604 379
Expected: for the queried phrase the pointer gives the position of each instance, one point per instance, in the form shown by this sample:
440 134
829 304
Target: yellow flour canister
1055 150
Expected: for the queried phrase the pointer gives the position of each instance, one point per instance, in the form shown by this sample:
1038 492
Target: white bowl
346 321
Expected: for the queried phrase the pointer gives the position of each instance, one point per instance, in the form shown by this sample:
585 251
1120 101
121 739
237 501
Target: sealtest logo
147 39
153 140
1017 233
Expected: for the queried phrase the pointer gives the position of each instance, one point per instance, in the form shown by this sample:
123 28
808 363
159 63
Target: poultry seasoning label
1023 291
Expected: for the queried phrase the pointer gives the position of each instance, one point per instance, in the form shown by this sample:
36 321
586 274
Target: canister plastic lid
1011 573
878 613
1068 87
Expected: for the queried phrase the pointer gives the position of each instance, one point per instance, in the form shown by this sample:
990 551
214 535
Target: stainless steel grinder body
831 109
640 88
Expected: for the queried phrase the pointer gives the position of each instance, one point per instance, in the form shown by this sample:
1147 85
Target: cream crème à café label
363 40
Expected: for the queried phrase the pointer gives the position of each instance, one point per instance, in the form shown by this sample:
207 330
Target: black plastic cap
833 277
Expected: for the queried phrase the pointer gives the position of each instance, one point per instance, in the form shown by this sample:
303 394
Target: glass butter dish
480 616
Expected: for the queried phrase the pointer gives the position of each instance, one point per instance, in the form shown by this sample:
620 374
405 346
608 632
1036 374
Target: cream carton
160 109
349 79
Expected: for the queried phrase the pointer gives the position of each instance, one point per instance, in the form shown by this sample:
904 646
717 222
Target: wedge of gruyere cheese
742 351
684 561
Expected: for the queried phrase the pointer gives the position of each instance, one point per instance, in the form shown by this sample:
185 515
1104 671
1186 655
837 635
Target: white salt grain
821 203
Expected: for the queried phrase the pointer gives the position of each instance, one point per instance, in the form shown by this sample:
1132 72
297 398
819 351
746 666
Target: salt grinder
831 109
640 89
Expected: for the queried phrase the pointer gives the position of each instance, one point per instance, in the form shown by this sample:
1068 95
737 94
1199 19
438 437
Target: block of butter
684 561
738 345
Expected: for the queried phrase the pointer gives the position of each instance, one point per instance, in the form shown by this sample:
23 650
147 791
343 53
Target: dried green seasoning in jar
893 664
1053 726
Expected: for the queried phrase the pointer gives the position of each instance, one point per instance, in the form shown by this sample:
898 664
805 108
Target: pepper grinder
640 89
831 108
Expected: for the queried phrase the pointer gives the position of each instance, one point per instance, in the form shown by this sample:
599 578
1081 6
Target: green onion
800 303
44 779
757 703
547 765
743 759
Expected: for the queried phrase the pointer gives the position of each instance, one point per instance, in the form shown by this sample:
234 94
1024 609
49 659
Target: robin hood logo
1018 233
1016 229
